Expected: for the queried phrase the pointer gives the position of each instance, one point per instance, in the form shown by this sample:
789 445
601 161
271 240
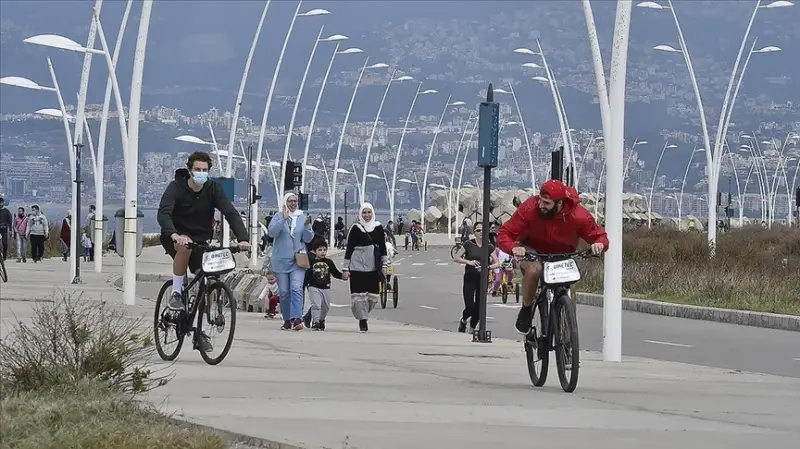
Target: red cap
554 190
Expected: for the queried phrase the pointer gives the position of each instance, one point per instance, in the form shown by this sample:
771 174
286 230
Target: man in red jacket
552 222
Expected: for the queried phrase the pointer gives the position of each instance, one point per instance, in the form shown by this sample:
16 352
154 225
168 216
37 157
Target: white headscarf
292 215
368 226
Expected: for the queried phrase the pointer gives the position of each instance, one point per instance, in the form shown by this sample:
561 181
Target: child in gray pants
318 281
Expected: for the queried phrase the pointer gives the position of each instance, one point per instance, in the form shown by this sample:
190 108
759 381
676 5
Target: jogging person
186 215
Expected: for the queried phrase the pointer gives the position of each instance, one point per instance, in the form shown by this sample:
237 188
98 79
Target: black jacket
320 273
184 211
6 219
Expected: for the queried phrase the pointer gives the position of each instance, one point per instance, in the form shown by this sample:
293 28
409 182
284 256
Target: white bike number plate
218 261
561 272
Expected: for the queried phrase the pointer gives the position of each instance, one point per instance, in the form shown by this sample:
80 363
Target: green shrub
73 339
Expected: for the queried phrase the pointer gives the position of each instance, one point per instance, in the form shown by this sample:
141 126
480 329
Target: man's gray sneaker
175 301
205 343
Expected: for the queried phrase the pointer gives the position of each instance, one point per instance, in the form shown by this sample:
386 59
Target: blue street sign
488 128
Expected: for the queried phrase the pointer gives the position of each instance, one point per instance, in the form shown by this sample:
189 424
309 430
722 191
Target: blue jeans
291 289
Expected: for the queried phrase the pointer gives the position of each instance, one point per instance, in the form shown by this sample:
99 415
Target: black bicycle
3 272
207 298
556 327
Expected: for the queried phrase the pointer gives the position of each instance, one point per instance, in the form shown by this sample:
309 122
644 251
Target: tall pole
392 191
131 166
524 133
428 164
612 306
372 136
289 133
653 186
71 152
454 208
559 112
80 116
314 117
101 146
339 148
76 219
254 228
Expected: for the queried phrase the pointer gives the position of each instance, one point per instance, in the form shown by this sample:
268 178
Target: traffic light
288 182
303 201
254 196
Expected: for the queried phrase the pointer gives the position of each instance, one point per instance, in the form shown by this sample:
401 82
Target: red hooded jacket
560 234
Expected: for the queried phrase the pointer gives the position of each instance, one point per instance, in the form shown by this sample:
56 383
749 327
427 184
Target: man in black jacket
186 214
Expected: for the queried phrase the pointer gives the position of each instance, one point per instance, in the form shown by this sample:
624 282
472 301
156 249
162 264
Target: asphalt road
430 295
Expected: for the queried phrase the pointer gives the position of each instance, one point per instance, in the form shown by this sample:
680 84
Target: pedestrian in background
65 235
21 235
289 259
6 226
38 231
365 262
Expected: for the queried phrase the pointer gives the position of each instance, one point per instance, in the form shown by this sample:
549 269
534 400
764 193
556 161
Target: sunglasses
478 230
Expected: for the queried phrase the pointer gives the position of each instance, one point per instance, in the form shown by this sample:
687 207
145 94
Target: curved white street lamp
453 209
463 163
254 227
713 154
436 132
347 51
683 184
653 185
524 128
324 170
334 38
392 78
379 65
563 121
630 155
392 190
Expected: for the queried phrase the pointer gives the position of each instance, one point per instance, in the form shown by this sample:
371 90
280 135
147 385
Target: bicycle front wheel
3 272
216 317
566 344
537 348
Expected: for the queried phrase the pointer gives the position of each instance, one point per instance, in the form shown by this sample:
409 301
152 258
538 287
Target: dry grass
754 269
90 416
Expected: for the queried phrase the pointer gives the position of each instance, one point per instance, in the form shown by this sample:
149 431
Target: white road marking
436 260
666 343
428 307
416 264
412 277
505 306
400 259
442 264
797 360
339 305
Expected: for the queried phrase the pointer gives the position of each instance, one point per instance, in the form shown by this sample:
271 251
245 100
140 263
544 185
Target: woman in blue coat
290 232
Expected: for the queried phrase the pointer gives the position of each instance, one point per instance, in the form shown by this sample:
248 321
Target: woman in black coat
365 260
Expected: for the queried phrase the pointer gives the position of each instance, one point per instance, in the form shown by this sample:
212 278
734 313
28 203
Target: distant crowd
30 230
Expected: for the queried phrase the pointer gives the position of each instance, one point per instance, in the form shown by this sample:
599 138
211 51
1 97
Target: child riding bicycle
508 266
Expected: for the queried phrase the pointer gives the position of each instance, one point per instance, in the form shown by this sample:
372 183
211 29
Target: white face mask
200 177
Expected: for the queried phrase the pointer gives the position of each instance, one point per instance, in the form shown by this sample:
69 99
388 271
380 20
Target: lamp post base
481 336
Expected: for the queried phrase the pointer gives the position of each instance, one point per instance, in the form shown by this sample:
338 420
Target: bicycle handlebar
206 247
531 255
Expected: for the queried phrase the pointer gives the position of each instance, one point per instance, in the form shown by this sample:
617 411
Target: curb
740 317
235 437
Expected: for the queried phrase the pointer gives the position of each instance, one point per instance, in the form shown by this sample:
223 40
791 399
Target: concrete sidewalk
404 387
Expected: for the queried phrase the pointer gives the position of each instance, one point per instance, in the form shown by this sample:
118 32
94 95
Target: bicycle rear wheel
537 349
164 321
217 300
504 292
566 343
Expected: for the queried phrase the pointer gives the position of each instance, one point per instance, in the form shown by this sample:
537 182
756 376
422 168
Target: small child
318 280
272 294
86 242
